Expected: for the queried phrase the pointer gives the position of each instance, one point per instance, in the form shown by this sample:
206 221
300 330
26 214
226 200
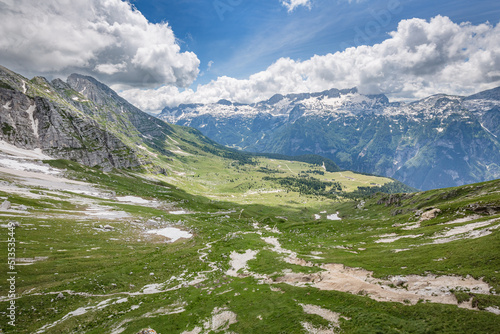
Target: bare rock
489 209
147 331
399 282
431 214
61 132
5 205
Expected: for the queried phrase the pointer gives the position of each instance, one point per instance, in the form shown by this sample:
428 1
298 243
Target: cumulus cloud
292 4
420 58
105 38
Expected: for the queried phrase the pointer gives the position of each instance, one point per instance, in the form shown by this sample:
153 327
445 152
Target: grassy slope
82 259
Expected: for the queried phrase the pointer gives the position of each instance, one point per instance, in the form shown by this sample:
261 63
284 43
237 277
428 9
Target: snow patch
239 261
181 152
82 311
396 238
151 289
105 213
34 123
491 133
334 216
27 166
172 233
132 199
311 329
221 319
463 220
22 153
178 212
464 229
328 315
493 309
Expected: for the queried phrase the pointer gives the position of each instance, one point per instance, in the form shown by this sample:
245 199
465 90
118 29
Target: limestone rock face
18 125
118 111
36 122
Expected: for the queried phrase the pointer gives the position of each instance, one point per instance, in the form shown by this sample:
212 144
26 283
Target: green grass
118 264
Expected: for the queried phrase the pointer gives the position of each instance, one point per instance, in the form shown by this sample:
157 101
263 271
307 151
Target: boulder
147 331
5 205
431 214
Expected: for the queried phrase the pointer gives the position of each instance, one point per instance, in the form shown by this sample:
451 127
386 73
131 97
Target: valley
86 262
174 232
436 142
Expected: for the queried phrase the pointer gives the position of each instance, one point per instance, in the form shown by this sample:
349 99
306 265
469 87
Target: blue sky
247 37
164 53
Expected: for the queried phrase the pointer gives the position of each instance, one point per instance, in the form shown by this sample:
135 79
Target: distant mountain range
436 142
439 141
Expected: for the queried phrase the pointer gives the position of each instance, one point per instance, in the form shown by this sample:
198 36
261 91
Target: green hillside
202 239
103 273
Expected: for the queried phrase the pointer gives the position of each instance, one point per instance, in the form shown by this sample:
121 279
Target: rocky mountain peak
11 80
491 94
275 99
94 90
225 102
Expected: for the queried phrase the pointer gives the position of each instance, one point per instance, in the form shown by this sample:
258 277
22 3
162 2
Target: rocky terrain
36 122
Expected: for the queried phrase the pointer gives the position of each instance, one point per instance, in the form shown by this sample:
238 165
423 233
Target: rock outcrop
38 123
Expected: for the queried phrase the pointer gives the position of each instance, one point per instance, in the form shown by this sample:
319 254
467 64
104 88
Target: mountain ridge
439 141
34 116
147 141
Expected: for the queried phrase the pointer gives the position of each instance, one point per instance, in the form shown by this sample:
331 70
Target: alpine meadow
248 167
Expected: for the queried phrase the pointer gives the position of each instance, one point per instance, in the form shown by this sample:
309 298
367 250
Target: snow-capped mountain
439 141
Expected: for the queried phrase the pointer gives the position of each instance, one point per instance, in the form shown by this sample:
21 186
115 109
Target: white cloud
111 68
104 38
292 4
154 100
420 58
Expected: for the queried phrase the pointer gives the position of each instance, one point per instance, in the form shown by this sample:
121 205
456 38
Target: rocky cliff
38 123
34 116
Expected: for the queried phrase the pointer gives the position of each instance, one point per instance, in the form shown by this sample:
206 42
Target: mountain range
439 141
85 121
126 224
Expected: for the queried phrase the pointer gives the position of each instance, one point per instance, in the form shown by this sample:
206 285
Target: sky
164 53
